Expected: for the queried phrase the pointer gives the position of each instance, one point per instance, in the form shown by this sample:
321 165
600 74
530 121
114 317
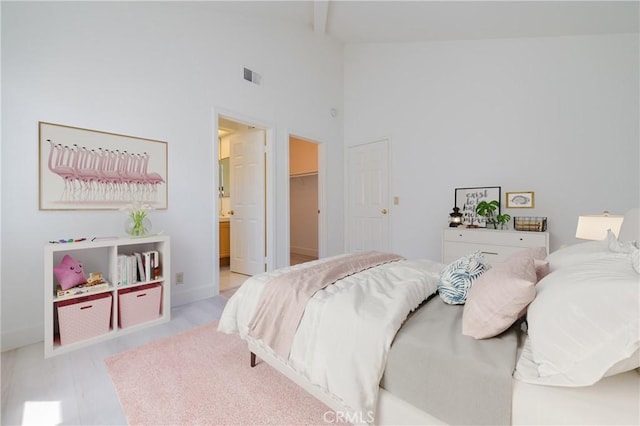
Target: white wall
153 70
557 116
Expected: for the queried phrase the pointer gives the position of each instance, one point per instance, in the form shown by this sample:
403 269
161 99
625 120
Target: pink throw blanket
285 297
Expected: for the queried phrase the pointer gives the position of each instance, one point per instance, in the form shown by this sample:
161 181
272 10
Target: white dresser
494 244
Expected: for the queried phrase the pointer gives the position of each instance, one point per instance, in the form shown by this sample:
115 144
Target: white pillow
616 246
635 260
585 320
630 228
577 254
627 247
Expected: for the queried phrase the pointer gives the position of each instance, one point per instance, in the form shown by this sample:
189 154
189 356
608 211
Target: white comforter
345 334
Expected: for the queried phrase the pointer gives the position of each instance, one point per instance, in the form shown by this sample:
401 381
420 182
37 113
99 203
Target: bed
389 343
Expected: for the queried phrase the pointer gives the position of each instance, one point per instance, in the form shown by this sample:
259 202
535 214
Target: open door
247 214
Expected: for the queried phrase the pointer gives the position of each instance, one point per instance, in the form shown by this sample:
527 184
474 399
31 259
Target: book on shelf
132 269
151 265
138 267
147 265
127 270
81 289
141 273
156 264
121 278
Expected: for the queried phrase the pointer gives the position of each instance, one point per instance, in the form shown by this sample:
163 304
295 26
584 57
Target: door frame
322 196
270 204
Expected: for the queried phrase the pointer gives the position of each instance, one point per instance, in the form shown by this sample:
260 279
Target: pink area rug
203 377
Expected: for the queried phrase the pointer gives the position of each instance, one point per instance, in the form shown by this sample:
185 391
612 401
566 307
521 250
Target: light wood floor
230 280
295 258
75 388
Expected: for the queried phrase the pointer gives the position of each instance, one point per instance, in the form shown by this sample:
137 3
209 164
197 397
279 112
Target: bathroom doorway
241 202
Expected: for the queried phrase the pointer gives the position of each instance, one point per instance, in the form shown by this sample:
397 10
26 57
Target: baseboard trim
305 251
14 339
192 295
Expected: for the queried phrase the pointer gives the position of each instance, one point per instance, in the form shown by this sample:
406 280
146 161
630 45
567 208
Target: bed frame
613 400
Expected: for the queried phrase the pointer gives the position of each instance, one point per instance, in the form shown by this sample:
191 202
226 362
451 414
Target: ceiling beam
320 12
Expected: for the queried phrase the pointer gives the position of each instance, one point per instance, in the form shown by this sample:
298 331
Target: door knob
231 212
384 211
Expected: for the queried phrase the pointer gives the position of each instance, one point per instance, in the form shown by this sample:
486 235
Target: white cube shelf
102 256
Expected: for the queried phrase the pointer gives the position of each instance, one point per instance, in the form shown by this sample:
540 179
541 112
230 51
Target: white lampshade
595 227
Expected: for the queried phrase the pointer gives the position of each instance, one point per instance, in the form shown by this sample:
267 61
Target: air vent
252 76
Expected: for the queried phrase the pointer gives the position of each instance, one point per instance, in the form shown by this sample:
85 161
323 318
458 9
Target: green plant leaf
485 208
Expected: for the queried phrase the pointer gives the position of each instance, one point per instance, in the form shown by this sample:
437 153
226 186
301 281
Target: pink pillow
69 273
539 256
499 297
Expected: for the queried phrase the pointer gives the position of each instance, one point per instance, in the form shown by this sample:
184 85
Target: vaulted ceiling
413 21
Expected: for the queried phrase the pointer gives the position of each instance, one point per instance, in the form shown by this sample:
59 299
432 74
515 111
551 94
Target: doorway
303 201
241 189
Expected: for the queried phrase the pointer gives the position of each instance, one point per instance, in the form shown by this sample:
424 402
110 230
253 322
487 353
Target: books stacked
138 267
81 289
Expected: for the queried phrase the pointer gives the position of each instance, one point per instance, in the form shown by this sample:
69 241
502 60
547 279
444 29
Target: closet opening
303 200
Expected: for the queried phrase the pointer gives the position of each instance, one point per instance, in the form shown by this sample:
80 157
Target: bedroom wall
557 116
153 70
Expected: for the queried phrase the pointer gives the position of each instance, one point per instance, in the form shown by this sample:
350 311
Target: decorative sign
466 199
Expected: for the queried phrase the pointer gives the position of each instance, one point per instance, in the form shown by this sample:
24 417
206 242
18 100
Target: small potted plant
488 211
503 219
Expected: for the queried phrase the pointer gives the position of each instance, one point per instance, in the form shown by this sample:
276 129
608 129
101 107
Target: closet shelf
297 175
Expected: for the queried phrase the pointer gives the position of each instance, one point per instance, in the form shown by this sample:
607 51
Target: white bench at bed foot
614 400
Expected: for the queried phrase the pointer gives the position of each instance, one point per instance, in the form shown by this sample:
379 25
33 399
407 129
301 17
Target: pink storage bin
84 317
139 304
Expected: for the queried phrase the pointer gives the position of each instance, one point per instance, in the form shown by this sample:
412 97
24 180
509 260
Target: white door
367 195
247 202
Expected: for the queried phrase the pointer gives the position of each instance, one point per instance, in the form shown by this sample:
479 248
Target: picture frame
466 199
520 200
83 169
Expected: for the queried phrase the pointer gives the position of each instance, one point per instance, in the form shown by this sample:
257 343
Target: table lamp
595 227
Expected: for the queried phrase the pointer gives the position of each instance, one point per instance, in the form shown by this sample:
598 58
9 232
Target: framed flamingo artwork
82 169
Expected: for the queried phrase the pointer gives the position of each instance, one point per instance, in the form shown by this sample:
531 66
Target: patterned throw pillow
457 278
